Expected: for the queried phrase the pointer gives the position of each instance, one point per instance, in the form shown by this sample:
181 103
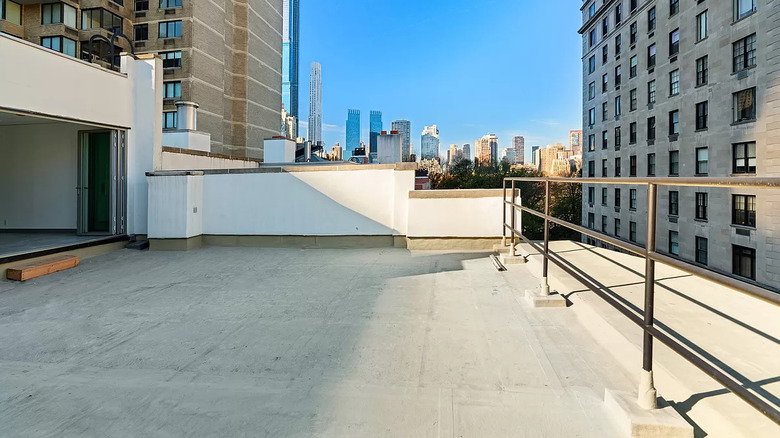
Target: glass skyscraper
290 58
353 130
375 128
405 129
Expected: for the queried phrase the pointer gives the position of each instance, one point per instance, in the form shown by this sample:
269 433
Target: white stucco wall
177 161
175 206
456 213
39 175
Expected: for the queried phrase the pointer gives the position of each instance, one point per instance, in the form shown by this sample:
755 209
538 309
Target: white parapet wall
310 205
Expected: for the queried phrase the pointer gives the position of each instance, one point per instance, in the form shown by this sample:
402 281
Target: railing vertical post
503 224
647 392
545 284
514 219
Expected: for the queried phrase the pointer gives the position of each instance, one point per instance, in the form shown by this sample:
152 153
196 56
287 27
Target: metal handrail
647 391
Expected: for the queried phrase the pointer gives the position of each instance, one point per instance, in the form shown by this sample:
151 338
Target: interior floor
12 243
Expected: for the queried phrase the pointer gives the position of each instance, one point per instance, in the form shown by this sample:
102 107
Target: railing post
545 284
503 224
514 220
647 392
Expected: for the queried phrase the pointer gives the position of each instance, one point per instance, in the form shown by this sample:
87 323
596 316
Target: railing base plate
537 299
636 422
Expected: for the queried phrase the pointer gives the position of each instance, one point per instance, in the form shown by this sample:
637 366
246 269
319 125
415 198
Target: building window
592 37
618 14
674 203
743 8
617 198
168 4
617 227
141 5
605 54
632 165
604 112
702 161
701 206
744 53
604 82
674 42
651 91
744 158
141 32
591 221
702 109
604 196
11 12
633 31
632 133
592 142
172 90
650 128
650 164
632 231
592 10
60 44
651 19
632 100
743 210
618 44
701 71
674 163
674 243
745 105
744 261
617 137
591 195
651 56
617 166
591 64
674 82
592 116
100 18
633 65
617 105
171 59
591 91
603 224
674 122
591 169
701 250
58 13
604 140
701 26
674 7
604 168
617 76
632 199
170 29
169 120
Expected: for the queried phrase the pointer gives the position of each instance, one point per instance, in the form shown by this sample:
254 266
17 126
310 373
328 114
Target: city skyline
543 113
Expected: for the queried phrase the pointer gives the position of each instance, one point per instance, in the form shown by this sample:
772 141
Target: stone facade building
682 88
224 55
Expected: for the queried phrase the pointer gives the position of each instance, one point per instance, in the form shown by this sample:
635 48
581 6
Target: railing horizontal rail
651 256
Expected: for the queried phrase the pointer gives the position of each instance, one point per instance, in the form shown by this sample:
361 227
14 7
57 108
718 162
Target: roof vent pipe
187 116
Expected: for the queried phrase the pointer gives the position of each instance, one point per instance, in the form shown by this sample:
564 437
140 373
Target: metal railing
647 392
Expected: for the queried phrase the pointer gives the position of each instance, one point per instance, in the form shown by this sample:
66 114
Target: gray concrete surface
285 342
15 243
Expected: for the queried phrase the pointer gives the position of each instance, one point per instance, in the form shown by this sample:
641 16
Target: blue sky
508 67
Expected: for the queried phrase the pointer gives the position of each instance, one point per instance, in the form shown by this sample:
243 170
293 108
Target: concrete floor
16 243
284 342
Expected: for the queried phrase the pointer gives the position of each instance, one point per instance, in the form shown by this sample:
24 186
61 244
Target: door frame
118 180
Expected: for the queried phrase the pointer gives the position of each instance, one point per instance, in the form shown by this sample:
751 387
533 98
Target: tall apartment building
353 129
315 103
467 151
429 143
228 60
375 127
404 127
575 142
486 150
685 88
518 144
290 58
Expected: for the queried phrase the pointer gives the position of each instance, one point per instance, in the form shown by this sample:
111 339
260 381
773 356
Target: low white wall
178 161
39 175
455 213
175 206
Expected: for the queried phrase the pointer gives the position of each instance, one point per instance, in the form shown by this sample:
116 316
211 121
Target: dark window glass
604 140
141 5
633 66
702 109
632 231
591 221
632 199
701 206
604 224
617 198
745 105
651 128
744 53
591 64
744 158
674 122
674 202
141 32
674 243
701 250
591 195
674 42
674 7
618 45
604 54
651 19
617 227
633 30
744 261
674 82
674 163
632 100
617 137
702 71
604 168
632 165
617 166
702 161
591 169
604 196
651 56
169 120
651 91
743 210
650 164
632 133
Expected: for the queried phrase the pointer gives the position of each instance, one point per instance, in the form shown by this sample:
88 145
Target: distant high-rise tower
315 103
290 58
575 142
466 151
518 144
486 150
353 129
404 127
429 143
375 128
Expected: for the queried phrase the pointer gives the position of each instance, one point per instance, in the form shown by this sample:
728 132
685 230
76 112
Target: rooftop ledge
288 168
